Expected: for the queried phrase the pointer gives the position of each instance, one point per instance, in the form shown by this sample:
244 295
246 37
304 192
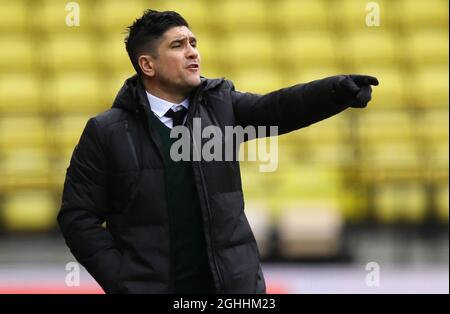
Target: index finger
364 79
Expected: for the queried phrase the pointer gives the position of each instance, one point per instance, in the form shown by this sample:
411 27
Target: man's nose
192 52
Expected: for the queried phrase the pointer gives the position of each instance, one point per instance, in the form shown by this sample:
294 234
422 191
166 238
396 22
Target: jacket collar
132 95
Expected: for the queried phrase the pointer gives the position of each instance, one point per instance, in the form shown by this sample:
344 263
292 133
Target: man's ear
146 63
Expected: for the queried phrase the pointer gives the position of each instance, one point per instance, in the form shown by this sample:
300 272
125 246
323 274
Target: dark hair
147 30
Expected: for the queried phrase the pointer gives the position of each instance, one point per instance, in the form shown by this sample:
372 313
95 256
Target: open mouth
193 66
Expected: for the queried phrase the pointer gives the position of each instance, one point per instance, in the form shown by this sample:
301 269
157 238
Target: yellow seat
13 16
117 15
429 87
331 153
66 130
427 47
16 132
400 202
306 182
331 130
238 15
378 125
302 181
433 124
209 49
75 93
114 55
69 52
245 50
49 17
414 14
17 53
391 159
374 48
308 73
30 210
438 158
258 81
304 15
306 49
112 84
195 12
20 93
25 167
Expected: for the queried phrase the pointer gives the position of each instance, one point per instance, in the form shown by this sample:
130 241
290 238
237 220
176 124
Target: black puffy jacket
116 174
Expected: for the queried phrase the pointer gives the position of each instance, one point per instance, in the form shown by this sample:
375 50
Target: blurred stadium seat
418 14
69 53
114 57
65 131
22 48
196 13
391 158
13 16
29 210
304 15
427 47
244 50
74 92
433 124
374 45
252 16
25 167
386 125
20 92
268 80
303 49
308 73
117 15
19 131
429 86
404 202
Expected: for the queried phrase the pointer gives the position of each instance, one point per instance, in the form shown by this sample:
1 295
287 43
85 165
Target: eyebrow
179 39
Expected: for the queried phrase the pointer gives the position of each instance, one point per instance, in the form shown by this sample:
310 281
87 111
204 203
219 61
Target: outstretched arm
303 104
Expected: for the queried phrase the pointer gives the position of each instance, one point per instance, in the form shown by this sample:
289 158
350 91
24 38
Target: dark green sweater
189 257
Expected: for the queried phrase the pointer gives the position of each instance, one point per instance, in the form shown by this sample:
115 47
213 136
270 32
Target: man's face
177 65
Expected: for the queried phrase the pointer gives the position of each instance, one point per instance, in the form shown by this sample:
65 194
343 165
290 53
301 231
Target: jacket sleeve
289 108
83 207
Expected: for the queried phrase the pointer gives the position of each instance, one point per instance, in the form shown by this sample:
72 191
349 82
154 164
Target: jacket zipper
147 111
205 195
130 143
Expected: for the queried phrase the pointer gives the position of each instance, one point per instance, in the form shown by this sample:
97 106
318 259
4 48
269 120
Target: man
176 226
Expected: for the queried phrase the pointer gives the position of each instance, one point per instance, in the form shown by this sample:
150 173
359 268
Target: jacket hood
132 94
